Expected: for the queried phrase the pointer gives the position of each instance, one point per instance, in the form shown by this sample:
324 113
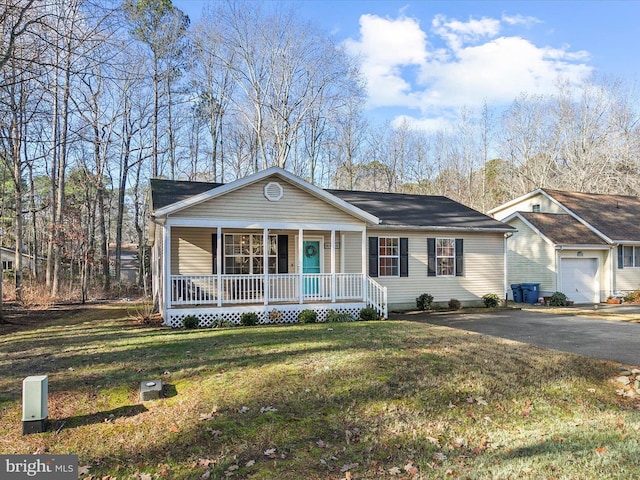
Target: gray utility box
150 390
35 391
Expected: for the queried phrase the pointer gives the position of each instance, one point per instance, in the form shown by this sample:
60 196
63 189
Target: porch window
244 253
631 256
388 256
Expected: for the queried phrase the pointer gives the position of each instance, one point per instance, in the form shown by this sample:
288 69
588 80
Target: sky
425 60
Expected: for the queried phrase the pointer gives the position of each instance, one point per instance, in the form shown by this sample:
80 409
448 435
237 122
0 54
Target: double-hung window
389 256
445 257
631 256
244 253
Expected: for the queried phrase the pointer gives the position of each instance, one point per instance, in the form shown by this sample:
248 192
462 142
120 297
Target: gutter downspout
506 270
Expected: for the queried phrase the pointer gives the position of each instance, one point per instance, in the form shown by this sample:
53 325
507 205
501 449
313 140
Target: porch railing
250 289
282 288
377 297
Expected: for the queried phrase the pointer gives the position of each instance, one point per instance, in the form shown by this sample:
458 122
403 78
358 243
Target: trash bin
530 292
516 288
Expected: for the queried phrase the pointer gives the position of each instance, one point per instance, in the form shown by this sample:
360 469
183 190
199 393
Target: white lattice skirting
266 314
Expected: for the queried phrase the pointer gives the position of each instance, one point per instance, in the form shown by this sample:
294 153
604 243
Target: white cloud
385 46
520 20
458 33
462 63
498 71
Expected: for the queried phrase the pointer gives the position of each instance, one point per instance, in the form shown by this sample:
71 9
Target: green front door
311 265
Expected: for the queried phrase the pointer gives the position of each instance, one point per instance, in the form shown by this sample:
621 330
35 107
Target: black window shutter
620 256
373 256
283 254
459 258
214 253
404 257
431 257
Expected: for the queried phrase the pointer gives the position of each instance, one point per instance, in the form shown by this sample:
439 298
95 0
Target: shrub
491 300
369 313
307 316
221 323
191 321
454 304
424 302
558 299
275 316
633 297
249 319
338 317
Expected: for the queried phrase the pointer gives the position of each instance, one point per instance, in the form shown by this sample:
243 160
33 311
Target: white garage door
579 279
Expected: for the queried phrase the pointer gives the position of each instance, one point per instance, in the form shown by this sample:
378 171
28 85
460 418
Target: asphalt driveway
606 339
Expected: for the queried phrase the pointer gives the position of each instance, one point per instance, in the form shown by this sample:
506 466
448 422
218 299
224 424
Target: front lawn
389 399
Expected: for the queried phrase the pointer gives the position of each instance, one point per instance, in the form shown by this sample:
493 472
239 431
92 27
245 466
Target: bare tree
162 27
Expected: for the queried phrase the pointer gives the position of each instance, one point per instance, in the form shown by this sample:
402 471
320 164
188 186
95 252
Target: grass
388 399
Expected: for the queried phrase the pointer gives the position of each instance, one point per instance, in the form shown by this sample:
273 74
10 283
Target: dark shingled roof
404 210
394 209
562 229
616 216
166 192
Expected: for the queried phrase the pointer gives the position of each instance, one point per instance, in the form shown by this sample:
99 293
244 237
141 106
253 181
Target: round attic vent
273 191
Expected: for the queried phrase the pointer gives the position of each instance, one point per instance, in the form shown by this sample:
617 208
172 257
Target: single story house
584 245
128 262
325 249
8 258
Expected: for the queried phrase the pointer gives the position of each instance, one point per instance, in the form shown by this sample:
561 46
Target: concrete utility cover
609 340
150 390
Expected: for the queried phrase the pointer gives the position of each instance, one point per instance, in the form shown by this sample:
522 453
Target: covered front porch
218 273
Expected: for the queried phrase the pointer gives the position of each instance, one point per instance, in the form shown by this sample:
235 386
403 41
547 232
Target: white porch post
219 251
166 254
333 265
300 272
265 263
342 237
364 265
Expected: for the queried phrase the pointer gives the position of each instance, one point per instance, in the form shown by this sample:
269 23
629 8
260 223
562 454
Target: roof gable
201 194
562 229
614 216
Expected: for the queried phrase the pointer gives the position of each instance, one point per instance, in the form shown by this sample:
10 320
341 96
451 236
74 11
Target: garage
579 279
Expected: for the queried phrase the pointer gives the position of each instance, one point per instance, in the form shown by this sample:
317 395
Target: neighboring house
8 257
584 245
128 262
327 249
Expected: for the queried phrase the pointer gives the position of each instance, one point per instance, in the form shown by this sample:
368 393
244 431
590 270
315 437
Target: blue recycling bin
530 292
516 289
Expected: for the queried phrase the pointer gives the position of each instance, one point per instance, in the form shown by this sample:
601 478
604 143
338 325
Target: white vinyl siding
249 203
627 279
483 266
351 252
545 206
191 251
530 259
